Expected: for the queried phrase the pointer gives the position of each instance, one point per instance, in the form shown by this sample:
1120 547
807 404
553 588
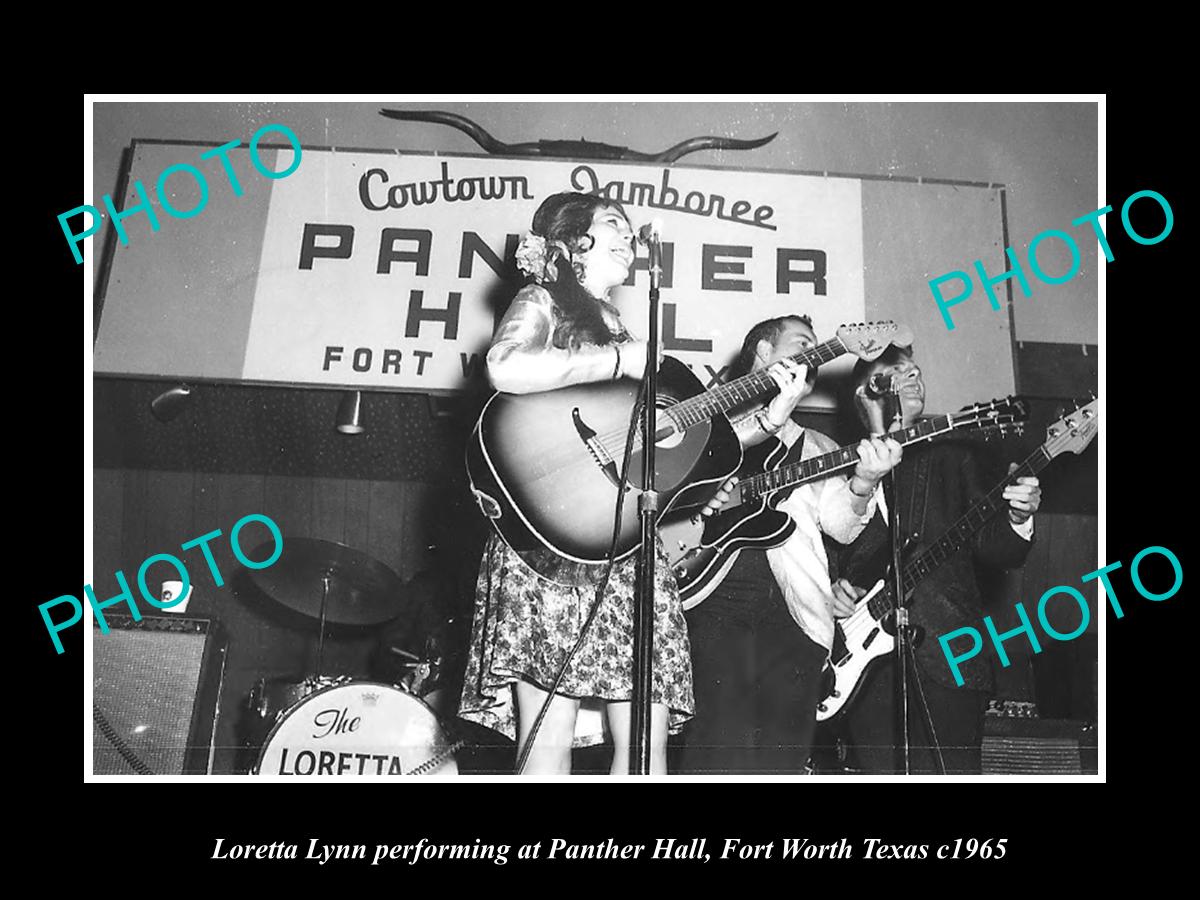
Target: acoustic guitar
544 467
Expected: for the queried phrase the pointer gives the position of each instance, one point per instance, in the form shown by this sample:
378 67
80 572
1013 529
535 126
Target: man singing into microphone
935 485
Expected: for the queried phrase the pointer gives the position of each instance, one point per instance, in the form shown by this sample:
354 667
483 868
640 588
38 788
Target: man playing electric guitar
936 484
759 642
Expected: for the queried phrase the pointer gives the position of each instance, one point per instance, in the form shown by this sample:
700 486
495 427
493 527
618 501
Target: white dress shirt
800 566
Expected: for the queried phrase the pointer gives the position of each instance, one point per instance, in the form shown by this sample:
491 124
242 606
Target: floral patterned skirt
525 626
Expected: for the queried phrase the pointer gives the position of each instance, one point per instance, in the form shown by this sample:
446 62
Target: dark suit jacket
936 484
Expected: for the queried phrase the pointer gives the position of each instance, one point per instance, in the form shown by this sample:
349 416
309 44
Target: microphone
650 233
880 385
651 236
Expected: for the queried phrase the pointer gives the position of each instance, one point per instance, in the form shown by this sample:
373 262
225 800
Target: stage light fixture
349 414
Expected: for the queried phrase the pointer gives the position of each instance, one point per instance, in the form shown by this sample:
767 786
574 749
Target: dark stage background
398 492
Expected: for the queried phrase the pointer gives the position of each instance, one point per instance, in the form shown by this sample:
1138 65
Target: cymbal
362 590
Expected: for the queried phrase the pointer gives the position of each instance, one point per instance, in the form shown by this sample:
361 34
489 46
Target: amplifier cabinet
1030 746
156 684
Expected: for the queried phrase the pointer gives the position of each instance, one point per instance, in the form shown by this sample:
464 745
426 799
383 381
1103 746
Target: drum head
358 728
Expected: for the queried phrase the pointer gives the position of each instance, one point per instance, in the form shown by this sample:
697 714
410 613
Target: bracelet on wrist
765 423
617 368
850 484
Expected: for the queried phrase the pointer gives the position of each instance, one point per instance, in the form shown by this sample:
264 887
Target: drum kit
337 725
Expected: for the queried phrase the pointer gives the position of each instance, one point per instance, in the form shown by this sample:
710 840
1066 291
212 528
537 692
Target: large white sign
390 271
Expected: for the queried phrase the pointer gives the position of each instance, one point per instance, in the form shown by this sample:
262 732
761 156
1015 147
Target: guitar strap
918 504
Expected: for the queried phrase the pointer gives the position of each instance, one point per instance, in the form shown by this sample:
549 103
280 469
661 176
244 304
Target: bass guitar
702 549
867 634
544 467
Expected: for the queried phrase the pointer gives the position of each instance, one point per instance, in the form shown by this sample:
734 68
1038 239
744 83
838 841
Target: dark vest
935 484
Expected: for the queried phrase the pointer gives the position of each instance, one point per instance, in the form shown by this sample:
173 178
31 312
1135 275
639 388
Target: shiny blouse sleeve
523 359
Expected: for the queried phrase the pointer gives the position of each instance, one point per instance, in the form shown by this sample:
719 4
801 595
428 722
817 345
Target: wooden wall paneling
250 646
170 523
358 514
288 500
206 518
385 529
346 651
134 514
328 520
108 502
237 496
373 521
425 523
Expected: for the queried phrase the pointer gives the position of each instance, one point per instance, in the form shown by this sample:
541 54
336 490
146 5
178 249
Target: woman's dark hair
567 217
767 330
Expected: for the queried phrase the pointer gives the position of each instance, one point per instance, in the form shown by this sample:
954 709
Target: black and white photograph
376 488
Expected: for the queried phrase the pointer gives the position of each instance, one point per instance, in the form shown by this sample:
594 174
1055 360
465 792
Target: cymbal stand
325 576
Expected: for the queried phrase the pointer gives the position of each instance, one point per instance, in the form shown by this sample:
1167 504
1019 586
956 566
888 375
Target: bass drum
357 728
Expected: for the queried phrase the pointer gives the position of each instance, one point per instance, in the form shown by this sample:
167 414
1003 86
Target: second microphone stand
906 659
643 609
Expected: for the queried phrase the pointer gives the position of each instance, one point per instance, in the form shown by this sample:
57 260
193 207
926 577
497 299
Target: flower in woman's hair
531 256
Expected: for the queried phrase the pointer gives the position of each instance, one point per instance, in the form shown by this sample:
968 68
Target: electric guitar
702 549
544 467
867 633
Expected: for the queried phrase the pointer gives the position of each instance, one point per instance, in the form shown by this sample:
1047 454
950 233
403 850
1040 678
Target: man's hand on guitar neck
1023 498
845 598
877 456
794 386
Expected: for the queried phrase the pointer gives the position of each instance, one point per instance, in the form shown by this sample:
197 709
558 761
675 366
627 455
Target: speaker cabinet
1029 746
155 683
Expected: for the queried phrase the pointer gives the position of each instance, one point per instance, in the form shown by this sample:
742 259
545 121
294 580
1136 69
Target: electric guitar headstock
868 340
1074 431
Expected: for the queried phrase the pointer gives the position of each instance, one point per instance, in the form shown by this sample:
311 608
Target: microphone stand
905 652
892 417
643 608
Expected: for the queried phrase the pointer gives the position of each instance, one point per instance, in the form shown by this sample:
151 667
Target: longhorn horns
581 148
